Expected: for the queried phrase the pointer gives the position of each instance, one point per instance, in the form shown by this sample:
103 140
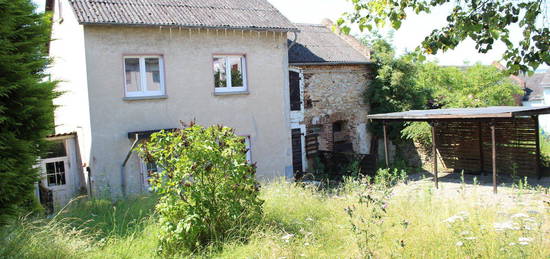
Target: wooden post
494 147
481 158
434 151
537 142
386 145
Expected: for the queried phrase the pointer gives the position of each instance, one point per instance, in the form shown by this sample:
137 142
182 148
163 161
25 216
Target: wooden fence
466 145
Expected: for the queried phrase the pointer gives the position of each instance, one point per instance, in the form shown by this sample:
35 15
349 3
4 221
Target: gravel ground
536 196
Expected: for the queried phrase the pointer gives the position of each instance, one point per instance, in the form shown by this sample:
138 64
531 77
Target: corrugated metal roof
63 134
231 14
318 44
463 113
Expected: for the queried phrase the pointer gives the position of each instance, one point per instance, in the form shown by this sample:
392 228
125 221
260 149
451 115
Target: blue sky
411 33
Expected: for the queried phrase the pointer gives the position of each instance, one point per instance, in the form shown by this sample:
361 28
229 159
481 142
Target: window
143 76
54 164
56 149
229 73
55 173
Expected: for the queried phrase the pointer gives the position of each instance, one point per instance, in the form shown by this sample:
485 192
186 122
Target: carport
504 139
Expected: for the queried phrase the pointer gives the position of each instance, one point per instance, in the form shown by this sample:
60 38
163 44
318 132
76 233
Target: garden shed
501 139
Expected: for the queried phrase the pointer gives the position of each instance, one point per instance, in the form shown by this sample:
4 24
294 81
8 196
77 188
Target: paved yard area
535 196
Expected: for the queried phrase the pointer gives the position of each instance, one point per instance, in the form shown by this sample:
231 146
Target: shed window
143 76
229 73
55 173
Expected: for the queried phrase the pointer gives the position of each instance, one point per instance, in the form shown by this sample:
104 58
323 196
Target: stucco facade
105 116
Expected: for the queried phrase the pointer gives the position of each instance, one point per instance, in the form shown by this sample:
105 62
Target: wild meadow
357 219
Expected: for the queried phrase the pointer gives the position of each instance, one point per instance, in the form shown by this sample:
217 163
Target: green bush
208 192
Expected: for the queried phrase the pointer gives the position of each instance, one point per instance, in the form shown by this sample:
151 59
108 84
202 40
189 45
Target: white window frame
230 87
143 79
65 160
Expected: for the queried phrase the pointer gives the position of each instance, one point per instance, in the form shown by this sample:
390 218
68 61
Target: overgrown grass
303 222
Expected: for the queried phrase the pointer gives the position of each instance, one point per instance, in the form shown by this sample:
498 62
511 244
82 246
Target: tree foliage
394 87
26 109
208 192
483 21
455 87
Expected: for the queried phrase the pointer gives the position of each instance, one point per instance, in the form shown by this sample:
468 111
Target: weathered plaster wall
67 49
336 93
261 114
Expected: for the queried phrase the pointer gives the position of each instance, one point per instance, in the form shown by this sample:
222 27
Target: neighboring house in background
130 68
537 93
329 73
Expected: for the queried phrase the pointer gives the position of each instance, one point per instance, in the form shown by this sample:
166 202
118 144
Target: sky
408 37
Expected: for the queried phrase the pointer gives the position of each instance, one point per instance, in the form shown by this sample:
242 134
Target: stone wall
334 100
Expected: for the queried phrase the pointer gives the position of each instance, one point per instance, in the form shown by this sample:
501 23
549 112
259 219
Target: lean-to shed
501 139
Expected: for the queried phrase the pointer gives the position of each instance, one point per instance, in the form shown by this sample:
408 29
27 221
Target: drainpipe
122 175
294 40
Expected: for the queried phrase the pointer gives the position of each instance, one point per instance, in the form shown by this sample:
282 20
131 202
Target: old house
130 68
329 73
537 94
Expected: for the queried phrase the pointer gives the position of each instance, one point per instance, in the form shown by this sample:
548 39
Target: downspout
294 40
122 175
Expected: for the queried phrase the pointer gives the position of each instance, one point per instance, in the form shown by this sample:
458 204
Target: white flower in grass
470 238
459 243
508 225
287 237
512 244
309 219
453 219
520 215
525 239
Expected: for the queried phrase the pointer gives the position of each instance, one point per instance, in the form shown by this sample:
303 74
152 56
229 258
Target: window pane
152 74
56 149
133 80
236 71
50 168
220 79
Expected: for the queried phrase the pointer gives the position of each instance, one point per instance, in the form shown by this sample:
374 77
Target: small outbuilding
501 139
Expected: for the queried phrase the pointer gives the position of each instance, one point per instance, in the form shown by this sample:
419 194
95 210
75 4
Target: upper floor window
143 76
229 73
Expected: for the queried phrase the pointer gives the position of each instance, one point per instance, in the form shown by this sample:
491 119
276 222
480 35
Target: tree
483 21
26 109
453 87
394 87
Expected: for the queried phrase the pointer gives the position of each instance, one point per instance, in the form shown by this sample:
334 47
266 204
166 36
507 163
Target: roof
217 14
463 113
144 134
534 88
60 135
316 43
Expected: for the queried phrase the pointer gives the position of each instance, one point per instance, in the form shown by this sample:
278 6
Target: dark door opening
297 153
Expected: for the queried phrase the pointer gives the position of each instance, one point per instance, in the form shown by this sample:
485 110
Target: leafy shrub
388 177
208 192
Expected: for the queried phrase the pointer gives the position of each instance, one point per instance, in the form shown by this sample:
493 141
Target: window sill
138 98
242 92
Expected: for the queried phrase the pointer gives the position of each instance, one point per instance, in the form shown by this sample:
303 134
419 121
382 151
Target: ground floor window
55 173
